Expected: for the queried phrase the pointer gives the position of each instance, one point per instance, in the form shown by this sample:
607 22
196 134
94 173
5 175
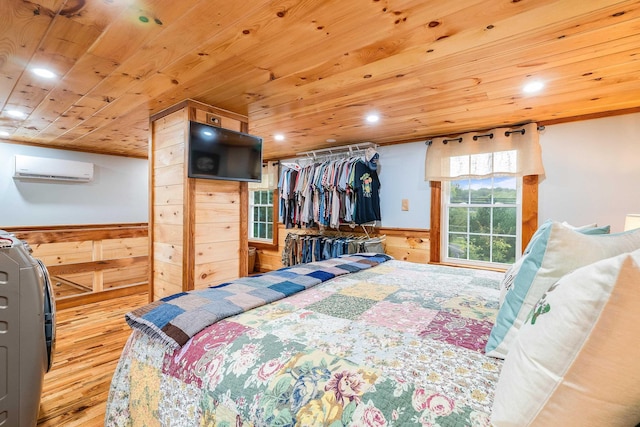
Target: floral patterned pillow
576 358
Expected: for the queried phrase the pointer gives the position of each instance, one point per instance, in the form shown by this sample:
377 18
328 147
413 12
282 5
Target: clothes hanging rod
487 135
336 150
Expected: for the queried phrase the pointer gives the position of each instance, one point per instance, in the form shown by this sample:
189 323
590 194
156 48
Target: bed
395 344
365 340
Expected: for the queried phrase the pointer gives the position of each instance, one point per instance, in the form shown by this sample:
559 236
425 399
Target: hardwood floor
88 345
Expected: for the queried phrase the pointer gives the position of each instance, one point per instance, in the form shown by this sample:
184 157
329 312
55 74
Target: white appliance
27 332
29 167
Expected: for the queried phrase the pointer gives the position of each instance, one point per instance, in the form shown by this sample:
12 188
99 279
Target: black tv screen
219 153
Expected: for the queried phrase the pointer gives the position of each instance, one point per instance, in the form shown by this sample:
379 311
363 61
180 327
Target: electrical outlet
405 204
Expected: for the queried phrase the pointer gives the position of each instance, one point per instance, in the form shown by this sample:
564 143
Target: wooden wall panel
217 232
85 260
225 122
217 225
267 260
168 233
166 252
162 288
122 248
167 158
169 214
402 244
213 252
171 155
199 238
233 124
125 276
215 273
414 248
168 195
169 131
169 175
436 220
36 235
64 253
170 273
209 213
215 191
529 208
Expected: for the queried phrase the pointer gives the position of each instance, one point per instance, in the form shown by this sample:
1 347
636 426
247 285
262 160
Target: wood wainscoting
402 244
89 263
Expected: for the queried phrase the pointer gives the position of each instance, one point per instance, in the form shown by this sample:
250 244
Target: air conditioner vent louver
40 168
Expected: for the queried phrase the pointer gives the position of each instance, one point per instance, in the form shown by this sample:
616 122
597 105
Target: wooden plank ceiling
310 69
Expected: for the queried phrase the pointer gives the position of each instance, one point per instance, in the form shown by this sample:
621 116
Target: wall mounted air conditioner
41 168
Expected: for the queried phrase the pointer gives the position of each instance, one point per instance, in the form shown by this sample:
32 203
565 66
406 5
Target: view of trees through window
482 219
261 215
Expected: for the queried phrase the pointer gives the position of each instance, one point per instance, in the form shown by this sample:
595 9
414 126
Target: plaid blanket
176 318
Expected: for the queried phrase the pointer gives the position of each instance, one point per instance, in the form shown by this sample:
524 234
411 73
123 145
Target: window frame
446 205
257 242
529 218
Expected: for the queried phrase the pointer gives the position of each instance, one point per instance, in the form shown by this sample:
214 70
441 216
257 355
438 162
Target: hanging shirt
290 217
329 193
367 194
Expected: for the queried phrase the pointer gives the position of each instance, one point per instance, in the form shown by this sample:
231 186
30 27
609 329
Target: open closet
330 187
325 189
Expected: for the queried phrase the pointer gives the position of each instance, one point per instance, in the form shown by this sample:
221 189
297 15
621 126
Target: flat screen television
219 153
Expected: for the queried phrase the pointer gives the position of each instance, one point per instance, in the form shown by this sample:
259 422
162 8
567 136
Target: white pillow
509 277
554 251
579 227
576 360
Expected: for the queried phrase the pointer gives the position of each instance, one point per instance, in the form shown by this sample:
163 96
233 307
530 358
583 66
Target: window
261 215
482 220
484 200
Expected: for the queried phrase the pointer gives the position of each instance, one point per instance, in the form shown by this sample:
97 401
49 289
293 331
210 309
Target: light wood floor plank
88 345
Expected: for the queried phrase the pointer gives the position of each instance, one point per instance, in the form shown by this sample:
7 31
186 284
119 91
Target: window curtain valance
269 178
498 152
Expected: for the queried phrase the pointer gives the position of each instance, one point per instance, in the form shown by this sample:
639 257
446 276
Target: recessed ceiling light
533 87
278 137
373 118
331 140
4 133
16 114
43 72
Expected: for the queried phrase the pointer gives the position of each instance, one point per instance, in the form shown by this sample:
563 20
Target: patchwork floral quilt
398 344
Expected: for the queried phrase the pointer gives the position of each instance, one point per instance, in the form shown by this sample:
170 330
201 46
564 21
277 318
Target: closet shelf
351 149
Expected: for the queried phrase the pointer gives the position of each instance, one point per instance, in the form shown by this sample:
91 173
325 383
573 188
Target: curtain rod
486 135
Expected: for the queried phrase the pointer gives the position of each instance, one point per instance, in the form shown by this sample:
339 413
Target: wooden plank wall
403 244
167 163
84 261
198 226
217 227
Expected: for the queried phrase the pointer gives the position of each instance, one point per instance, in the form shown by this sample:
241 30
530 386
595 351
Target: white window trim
444 234
251 218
